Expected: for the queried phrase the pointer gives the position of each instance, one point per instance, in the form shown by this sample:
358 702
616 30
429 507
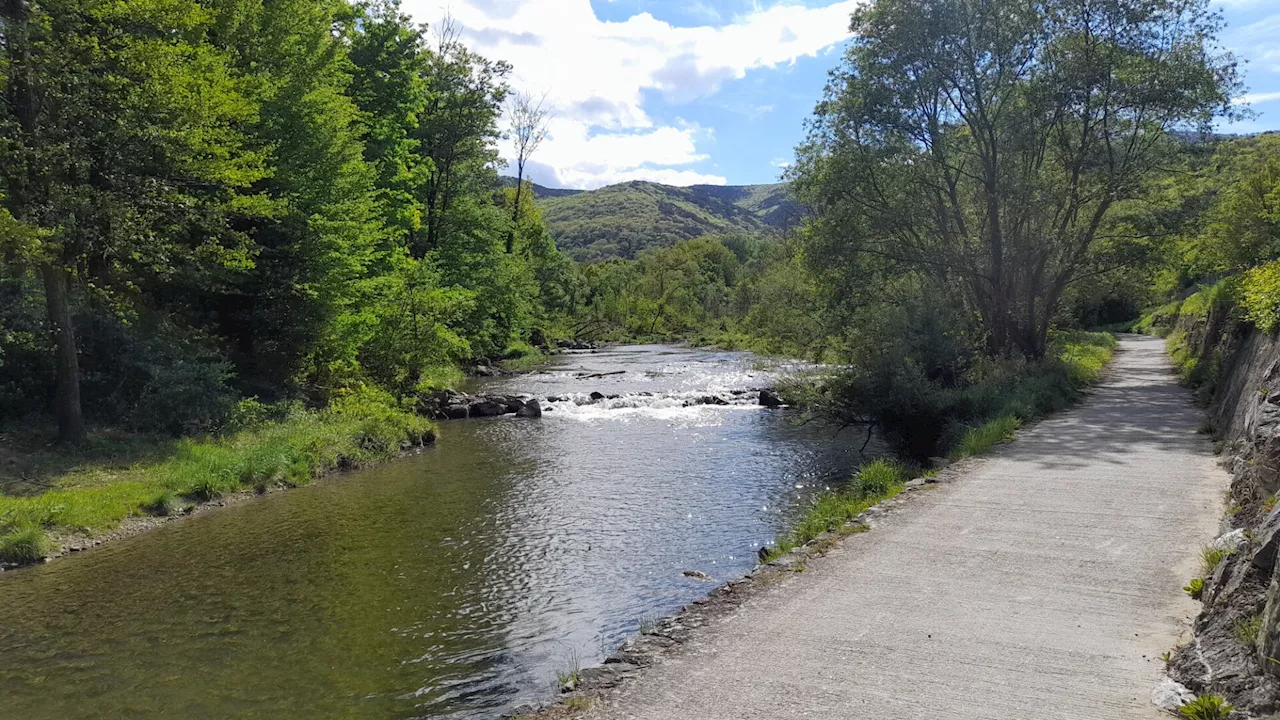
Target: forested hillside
621 220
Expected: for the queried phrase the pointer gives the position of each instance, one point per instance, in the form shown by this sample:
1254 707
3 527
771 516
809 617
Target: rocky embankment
1236 647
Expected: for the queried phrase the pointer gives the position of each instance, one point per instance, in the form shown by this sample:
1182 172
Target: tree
457 132
117 136
529 121
980 146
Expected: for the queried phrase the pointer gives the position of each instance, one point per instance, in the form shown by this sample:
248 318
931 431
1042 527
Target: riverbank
1077 361
88 505
1039 580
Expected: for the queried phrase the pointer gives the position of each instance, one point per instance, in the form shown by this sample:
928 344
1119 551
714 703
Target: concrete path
1043 583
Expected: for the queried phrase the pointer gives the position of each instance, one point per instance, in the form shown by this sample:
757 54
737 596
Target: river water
452 584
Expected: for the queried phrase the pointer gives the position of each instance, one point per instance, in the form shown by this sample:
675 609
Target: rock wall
1237 633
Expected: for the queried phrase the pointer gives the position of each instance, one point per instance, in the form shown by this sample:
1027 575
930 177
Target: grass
1210 558
980 440
1206 707
27 545
522 357
357 429
570 676
835 509
1247 630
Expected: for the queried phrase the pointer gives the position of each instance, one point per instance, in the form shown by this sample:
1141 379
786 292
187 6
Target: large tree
117 134
980 146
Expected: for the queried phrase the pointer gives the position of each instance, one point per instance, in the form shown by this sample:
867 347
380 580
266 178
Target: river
452 584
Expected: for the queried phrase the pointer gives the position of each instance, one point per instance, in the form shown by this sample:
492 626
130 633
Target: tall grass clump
24 546
833 509
359 427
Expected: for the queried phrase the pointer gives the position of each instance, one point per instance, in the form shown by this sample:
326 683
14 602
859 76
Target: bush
962 411
1159 321
1260 296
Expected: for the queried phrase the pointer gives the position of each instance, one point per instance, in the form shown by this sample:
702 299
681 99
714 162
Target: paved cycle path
1043 583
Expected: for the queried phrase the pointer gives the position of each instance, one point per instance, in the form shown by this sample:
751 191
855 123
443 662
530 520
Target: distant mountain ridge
621 220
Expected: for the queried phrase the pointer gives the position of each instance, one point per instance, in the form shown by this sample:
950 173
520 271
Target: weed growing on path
1194 588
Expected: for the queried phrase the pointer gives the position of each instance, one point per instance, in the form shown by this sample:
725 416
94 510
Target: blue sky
714 91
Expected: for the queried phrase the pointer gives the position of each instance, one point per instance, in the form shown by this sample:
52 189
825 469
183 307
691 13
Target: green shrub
25 545
1260 295
1206 707
1159 321
1194 588
877 478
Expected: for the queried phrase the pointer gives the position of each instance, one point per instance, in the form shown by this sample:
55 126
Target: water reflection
451 584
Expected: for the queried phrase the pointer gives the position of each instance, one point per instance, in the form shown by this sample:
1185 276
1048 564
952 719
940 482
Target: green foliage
621 221
23 545
360 427
1207 707
1260 294
980 440
931 399
1194 588
276 200
1019 205
833 509
1246 630
1159 321
1210 558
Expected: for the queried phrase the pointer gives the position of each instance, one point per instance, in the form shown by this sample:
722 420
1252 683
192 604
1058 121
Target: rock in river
770 399
488 408
531 409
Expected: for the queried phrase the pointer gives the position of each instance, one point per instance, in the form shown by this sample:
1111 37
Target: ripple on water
452 584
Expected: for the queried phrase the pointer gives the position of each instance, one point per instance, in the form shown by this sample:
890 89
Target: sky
685 92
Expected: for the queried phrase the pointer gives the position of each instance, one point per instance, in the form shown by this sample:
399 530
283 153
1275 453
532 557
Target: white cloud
596 74
1256 98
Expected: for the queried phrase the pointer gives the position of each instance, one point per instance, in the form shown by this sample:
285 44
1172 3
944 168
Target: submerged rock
697 575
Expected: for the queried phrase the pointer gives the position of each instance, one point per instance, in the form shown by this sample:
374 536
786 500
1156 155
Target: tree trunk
66 398
515 213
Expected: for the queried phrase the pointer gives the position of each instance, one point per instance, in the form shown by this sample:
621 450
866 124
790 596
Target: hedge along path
1043 583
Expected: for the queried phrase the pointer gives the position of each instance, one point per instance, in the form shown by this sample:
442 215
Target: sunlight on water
451 584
